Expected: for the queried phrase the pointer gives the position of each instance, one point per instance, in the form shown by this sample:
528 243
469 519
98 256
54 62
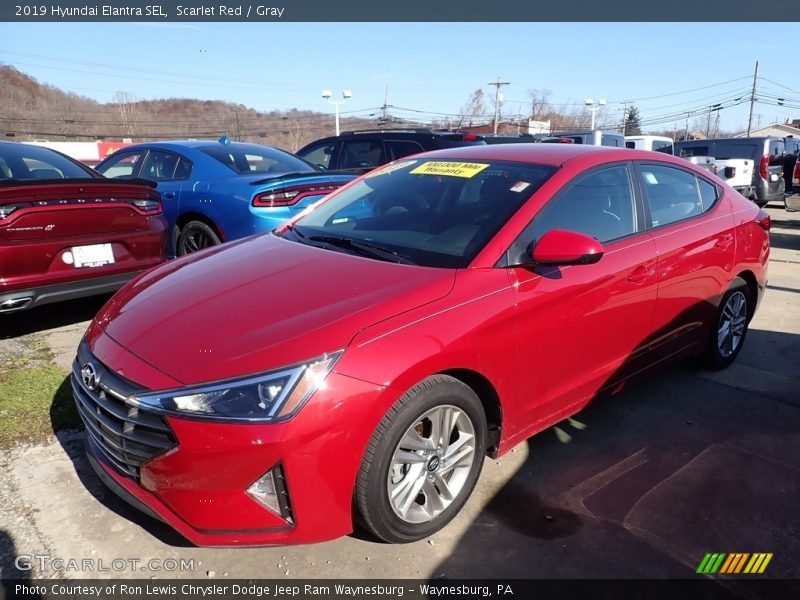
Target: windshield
252 158
435 213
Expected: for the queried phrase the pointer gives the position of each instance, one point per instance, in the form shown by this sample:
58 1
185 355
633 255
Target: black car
514 138
361 151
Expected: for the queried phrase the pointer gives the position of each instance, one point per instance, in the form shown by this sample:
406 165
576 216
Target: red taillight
763 220
730 172
470 137
565 140
292 195
796 177
762 167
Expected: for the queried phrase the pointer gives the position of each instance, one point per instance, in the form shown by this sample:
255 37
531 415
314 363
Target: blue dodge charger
216 191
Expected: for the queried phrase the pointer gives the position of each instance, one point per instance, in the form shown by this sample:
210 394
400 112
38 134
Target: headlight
273 396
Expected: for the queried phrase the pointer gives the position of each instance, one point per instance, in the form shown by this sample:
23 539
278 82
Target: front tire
196 235
422 462
730 326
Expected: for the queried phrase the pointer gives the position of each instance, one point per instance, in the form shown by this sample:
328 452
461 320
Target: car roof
545 154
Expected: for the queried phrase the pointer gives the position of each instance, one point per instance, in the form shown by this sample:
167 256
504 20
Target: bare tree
128 112
475 108
540 103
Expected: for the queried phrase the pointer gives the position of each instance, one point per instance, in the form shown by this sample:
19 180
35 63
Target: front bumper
198 487
47 294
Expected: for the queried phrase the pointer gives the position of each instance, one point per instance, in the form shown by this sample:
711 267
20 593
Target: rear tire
729 330
196 235
422 462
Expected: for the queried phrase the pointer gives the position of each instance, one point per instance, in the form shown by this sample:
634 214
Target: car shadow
10 575
640 483
50 316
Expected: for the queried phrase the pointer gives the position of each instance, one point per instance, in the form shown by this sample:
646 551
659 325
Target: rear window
458 141
252 158
23 161
687 151
724 151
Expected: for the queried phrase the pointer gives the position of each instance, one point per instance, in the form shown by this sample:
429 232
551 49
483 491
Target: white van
656 143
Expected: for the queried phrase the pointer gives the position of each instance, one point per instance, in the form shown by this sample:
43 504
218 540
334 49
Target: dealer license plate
95 255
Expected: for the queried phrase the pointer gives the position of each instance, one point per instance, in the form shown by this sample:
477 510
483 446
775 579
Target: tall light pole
346 95
590 104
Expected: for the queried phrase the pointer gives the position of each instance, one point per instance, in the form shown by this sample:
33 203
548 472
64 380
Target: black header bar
400 11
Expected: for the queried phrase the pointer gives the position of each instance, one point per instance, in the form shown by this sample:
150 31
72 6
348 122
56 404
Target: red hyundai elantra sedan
359 362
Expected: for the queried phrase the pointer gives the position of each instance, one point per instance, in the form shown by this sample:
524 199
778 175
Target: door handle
641 274
169 194
724 242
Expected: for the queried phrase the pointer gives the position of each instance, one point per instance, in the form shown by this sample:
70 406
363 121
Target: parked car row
764 158
67 231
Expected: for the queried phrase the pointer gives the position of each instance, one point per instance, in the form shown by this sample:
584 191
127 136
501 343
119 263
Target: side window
631 145
399 148
660 146
708 193
122 165
776 149
184 169
672 193
159 166
361 153
599 204
319 155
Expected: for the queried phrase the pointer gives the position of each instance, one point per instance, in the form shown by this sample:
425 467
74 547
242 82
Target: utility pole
686 135
385 108
752 101
497 85
624 118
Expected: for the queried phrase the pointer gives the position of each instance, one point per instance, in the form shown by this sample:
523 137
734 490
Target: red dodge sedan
67 232
359 362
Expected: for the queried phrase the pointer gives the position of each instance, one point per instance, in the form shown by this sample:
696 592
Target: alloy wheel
431 464
732 323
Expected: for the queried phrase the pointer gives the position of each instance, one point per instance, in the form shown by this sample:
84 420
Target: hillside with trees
33 111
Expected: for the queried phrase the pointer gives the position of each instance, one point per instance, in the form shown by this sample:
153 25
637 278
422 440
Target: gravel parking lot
640 485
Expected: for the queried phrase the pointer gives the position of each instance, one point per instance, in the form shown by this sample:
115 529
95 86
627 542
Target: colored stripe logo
734 563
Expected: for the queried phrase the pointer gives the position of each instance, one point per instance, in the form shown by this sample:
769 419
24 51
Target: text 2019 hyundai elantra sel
357 363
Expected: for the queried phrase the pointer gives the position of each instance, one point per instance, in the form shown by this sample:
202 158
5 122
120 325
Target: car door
693 228
170 171
775 181
584 328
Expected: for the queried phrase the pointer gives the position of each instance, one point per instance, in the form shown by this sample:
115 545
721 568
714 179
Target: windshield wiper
364 248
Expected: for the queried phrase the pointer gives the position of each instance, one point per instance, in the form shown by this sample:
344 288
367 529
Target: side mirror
561 247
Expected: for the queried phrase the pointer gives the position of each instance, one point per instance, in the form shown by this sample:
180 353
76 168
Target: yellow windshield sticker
390 168
451 169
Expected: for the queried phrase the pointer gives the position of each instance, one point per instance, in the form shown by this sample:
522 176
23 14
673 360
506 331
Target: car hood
259 304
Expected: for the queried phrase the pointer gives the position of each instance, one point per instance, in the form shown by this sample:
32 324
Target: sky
430 69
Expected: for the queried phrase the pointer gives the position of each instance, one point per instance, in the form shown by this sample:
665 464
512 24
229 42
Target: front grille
127 435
